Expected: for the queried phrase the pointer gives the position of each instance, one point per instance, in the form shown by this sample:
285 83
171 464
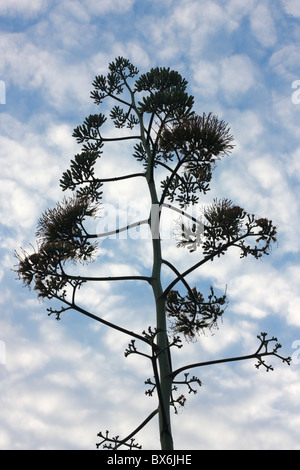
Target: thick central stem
165 381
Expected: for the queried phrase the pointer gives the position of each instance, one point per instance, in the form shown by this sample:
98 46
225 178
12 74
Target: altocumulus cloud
63 381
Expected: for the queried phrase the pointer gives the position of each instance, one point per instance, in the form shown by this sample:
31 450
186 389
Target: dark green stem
165 370
164 386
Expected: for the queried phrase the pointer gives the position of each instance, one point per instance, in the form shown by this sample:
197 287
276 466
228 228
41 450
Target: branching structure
167 135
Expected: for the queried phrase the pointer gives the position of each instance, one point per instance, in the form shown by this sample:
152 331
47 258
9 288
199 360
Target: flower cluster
225 224
197 142
198 138
192 314
61 238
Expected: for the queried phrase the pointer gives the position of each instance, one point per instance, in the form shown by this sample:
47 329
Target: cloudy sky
62 382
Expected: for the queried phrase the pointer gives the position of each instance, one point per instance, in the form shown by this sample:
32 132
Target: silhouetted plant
158 113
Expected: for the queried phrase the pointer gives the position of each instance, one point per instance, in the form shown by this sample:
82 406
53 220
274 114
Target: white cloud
293 168
25 7
137 55
187 30
30 9
284 61
60 137
237 10
232 77
285 114
30 67
69 14
192 18
238 408
32 157
30 170
101 7
25 163
266 172
70 377
206 76
41 391
247 128
237 74
19 207
263 25
262 187
292 7
274 293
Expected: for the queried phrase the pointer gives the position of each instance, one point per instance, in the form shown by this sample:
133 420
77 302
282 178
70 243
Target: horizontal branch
104 278
118 139
119 178
141 222
119 230
217 361
257 355
71 277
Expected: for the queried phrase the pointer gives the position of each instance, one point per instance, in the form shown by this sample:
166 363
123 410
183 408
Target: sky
63 382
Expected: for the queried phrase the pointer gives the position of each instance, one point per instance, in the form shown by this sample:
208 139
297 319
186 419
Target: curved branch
174 173
119 99
139 427
119 442
164 165
185 283
180 211
101 320
204 260
188 271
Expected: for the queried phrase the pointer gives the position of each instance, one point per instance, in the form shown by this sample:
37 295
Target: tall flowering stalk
167 134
